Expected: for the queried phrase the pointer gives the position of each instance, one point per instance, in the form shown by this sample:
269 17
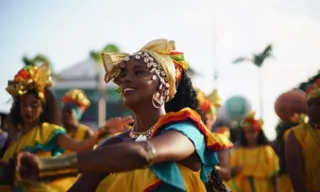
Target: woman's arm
68 143
89 133
224 165
169 146
89 182
294 159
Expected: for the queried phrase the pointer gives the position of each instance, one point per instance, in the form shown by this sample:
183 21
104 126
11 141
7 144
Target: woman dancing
34 122
168 149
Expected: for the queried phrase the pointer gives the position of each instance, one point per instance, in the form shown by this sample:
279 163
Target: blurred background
213 35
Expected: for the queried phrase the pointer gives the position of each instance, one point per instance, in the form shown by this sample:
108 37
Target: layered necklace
141 136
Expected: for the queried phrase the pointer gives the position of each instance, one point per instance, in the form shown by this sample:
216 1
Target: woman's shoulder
48 127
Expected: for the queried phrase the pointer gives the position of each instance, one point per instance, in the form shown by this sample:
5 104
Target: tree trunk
260 76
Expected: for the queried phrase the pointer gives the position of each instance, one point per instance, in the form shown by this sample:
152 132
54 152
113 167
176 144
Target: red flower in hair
255 125
205 106
23 73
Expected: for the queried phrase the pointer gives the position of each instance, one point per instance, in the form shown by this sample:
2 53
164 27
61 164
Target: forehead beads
162 94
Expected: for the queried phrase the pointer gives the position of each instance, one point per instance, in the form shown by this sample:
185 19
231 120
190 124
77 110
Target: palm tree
258 60
102 104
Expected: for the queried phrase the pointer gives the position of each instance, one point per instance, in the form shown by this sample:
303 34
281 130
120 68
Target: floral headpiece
160 57
30 78
313 90
299 118
77 97
250 123
208 104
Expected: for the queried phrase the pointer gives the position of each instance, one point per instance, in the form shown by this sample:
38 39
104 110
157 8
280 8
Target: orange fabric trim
153 186
212 142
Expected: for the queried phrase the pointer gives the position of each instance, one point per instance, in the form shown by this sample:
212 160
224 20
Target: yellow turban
30 78
161 50
77 97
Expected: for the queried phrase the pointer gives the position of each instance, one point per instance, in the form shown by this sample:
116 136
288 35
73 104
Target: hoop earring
157 100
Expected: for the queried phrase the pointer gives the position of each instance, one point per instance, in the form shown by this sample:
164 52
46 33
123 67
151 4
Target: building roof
82 75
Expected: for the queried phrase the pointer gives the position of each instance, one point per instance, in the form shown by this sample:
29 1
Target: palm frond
241 59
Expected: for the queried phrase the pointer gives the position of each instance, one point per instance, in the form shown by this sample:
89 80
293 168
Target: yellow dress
309 140
284 182
41 140
65 183
261 163
171 176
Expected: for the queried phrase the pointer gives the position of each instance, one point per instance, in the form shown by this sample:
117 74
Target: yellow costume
166 65
40 140
309 140
260 163
77 101
284 182
171 176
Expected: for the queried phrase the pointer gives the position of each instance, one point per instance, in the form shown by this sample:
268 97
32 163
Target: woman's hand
116 125
236 170
27 166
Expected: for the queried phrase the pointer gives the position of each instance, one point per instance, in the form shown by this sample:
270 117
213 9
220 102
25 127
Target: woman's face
210 120
251 136
30 108
68 115
137 85
313 110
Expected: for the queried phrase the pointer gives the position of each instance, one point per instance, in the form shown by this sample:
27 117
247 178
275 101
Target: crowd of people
168 144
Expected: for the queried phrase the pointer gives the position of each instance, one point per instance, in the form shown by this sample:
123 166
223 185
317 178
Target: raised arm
294 159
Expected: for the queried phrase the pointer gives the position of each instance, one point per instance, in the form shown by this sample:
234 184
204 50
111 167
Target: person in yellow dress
74 104
302 146
168 149
254 163
208 105
34 122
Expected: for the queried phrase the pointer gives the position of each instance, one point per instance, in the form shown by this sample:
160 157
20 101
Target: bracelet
57 166
149 154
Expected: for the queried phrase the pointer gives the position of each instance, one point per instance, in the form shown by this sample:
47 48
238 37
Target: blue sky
211 33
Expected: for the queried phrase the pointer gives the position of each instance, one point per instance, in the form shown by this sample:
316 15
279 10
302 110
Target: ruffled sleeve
46 139
208 157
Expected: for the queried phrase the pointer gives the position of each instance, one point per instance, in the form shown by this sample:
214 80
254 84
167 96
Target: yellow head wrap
77 97
313 91
30 78
161 50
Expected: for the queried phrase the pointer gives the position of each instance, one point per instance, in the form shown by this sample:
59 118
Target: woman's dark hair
50 113
262 139
186 96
